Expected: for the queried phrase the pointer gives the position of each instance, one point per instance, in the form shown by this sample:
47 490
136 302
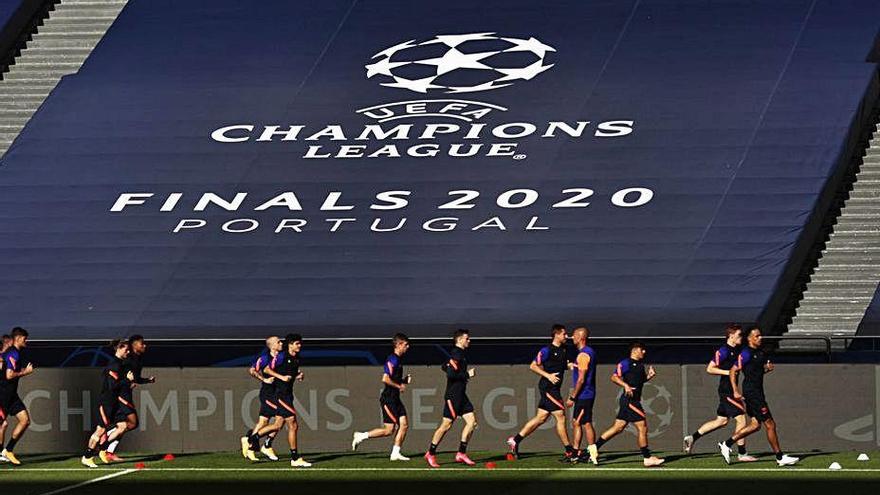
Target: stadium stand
745 117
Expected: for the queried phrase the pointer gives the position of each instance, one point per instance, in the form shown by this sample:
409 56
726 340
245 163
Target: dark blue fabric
870 324
741 112
7 10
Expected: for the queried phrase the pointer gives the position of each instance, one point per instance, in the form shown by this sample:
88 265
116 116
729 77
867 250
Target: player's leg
3 425
296 459
562 432
648 459
439 433
726 446
402 428
531 425
706 428
16 409
773 439
88 458
742 454
612 431
470 425
131 423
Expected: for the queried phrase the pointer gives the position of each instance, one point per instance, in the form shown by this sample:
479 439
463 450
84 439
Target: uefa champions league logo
460 63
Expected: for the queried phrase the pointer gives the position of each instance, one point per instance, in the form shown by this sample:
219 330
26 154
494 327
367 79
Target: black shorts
124 408
456 406
285 406
392 409
268 404
728 407
756 407
105 413
583 411
551 400
11 405
631 411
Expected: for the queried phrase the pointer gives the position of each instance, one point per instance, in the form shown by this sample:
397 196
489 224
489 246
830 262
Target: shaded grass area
348 472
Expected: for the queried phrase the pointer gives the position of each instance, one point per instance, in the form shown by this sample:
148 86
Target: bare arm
539 369
11 375
583 363
619 382
736 393
272 373
388 381
713 369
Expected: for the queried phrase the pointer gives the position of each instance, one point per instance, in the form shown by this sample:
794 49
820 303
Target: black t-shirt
394 369
285 364
725 358
456 373
634 374
751 362
113 380
553 360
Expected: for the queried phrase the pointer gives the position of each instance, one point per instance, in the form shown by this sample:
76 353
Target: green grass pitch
362 473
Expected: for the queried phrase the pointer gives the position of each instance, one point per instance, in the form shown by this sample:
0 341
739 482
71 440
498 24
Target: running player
10 402
286 371
728 407
114 380
582 396
5 343
393 411
549 364
457 402
127 412
754 363
268 403
631 375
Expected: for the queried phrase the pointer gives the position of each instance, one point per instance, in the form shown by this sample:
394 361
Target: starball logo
432 123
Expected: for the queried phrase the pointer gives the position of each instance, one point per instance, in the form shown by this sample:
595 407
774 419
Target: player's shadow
343 455
50 457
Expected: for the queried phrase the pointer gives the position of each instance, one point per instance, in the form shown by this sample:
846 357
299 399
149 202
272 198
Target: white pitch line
476 470
89 482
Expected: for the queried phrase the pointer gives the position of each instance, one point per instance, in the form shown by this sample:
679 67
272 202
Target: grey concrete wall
207 409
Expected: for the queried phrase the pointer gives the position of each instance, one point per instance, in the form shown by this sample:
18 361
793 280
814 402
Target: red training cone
168 457
490 465
140 465
511 457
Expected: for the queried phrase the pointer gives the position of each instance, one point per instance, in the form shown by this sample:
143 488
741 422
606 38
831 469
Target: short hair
399 337
752 329
637 345
732 328
19 332
5 337
556 329
585 330
460 333
136 338
292 337
118 343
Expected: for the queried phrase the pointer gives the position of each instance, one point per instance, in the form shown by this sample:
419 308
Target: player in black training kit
5 343
268 403
456 402
127 412
550 364
286 371
728 407
754 363
631 375
393 412
11 404
113 380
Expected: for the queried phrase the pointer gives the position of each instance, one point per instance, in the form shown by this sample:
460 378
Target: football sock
11 444
646 452
600 442
517 438
294 455
729 442
89 453
779 455
569 449
696 435
741 449
432 449
462 447
268 442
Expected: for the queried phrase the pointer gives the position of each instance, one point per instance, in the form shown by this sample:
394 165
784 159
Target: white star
453 40
417 85
454 59
526 73
480 87
383 67
388 52
529 45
